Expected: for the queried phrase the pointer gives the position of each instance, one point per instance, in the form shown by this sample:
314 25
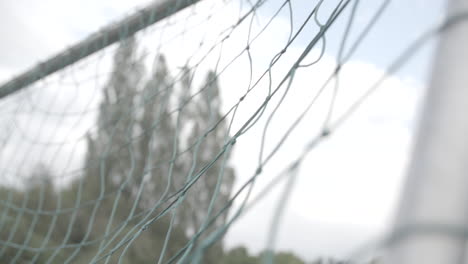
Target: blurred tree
137 155
21 220
282 258
239 255
213 189
287 258
110 150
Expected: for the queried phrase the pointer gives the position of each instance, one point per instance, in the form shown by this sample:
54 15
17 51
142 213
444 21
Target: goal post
432 221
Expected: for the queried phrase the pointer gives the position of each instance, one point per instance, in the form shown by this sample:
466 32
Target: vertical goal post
432 220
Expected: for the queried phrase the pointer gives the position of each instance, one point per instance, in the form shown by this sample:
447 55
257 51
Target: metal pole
432 222
97 41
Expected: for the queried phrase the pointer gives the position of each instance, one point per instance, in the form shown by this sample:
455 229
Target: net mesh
125 155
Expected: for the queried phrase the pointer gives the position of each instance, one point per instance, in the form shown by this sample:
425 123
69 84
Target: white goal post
432 222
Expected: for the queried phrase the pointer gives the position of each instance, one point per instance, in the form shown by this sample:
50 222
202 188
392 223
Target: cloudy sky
347 187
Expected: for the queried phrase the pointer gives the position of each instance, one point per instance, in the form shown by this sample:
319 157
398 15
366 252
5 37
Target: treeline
240 255
37 229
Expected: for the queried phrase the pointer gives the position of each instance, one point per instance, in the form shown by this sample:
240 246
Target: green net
119 149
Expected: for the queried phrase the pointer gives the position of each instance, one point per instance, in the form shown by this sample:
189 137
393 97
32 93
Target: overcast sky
348 186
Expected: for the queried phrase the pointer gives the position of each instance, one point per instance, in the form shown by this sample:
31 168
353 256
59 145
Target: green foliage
287 258
240 255
20 228
281 258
